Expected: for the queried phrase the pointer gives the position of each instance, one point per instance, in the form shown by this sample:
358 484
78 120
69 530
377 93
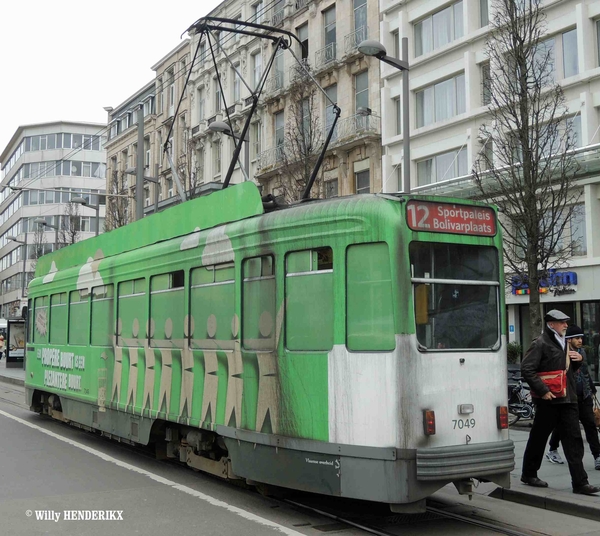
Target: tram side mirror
422 304
24 312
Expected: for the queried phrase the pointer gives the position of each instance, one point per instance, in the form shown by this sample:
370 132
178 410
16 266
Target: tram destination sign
450 218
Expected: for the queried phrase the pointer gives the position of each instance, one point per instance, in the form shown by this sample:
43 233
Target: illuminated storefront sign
557 283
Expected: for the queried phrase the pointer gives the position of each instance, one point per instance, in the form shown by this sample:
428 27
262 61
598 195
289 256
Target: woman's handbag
596 412
556 381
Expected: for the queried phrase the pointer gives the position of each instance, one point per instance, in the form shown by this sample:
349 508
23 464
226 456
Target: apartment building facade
165 107
329 33
327 38
448 105
44 166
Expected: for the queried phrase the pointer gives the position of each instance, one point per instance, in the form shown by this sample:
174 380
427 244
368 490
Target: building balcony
325 56
275 83
354 127
300 4
298 72
278 17
270 159
351 41
348 132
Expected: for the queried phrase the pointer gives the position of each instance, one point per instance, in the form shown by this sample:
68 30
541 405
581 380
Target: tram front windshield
455 295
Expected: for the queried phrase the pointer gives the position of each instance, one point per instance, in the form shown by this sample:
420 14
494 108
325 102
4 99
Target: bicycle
520 404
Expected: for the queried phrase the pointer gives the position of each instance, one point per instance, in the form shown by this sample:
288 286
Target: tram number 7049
463 423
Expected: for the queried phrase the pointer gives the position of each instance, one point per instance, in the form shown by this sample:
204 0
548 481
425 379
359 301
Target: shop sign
557 283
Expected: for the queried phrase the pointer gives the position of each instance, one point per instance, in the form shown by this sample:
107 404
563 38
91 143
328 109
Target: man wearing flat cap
550 353
585 402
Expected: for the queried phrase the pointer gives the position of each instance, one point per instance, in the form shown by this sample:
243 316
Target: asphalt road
49 471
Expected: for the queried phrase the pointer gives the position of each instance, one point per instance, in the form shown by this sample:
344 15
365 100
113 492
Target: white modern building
447 107
44 166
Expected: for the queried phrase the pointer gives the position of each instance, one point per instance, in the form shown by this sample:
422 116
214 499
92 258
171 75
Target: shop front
572 291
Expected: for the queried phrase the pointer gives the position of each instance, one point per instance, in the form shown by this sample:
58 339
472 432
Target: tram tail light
429 422
502 417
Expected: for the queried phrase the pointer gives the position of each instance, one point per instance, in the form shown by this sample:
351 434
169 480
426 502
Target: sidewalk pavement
11 375
558 496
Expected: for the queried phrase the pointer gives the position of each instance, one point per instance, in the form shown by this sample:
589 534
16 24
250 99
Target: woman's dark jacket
545 355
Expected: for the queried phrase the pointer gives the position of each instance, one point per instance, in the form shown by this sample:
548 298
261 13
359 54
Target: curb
14 381
548 503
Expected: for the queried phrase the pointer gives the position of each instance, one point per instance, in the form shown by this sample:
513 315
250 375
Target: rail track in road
369 523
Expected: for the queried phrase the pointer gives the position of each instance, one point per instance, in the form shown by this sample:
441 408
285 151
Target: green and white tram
352 347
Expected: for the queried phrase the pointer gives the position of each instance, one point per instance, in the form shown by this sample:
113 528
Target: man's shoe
554 457
587 489
535 482
597 464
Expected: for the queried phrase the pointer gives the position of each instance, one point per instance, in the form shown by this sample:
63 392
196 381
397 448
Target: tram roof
236 203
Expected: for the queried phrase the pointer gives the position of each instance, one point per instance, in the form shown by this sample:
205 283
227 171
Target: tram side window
29 319
79 326
212 307
131 312
101 326
258 303
58 318
309 300
40 328
369 306
167 310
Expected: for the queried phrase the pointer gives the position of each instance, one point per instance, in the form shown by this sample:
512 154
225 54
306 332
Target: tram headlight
429 422
502 417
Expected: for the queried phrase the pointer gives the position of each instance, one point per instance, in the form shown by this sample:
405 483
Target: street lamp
155 180
42 221
224 128
374 48
14 239
86 203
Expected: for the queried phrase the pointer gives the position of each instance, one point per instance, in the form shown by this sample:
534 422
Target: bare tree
117 208
190 167
526 165
39 245
70 224
303 138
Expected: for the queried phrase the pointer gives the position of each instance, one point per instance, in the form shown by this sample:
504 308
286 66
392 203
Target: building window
257 13
439 29
302 33
331 92
218 96
329 30
441 101
398 106
236 83
256 139
279 134
397 42
200 104
578 231
486 90
217 157
360 20
331 189
484 13
362 182
570 57
361 91
257 68
442 167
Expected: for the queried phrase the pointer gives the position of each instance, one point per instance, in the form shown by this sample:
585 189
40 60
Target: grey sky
67 60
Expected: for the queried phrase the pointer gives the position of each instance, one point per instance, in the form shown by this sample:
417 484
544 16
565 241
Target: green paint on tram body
212 313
